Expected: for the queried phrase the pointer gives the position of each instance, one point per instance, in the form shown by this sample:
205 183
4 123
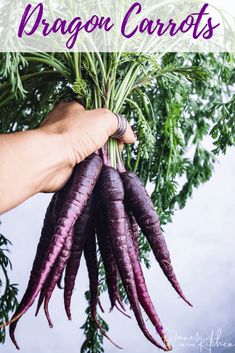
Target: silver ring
122 126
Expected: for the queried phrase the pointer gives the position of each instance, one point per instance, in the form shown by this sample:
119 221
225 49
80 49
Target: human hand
83 131
80 132
43 159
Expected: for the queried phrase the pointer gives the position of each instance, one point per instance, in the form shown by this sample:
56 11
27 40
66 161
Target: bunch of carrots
101 206
104 206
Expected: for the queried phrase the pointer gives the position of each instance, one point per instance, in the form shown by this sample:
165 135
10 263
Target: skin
42 160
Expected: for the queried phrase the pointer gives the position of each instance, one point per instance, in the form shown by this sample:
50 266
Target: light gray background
202 244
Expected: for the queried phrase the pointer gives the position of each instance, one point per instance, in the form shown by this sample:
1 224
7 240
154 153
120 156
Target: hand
81 132
84 132
42 160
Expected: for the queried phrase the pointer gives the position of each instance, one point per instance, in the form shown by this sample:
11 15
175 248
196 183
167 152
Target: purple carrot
143 294
61 195
93 273
59 283
85 178
134 230
113 195
81 230
140 203
41 298
43 245
110 267
58 204
57 271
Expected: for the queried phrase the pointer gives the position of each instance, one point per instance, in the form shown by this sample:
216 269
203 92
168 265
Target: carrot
93 273
113 195
59 283
143 294
86 175
140 203
54 277
44 241
58 204
92 267
111 271
56 272
60 264
61 195
134 230
41 298
81 230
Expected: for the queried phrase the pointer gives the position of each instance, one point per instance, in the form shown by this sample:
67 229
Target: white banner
117 25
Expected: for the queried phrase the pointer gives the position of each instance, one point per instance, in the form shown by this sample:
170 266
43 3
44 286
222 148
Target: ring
122 126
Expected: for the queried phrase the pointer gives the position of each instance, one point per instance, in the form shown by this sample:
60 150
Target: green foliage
178 103
10 69
94 338
184 115
8 291
223 131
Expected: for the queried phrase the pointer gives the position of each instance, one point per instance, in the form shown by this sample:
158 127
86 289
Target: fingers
107 117
65 107
120 146
45 120
72 105
129 136
97 124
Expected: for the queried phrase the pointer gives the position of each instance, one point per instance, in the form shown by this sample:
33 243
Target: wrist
60 145
70 154
58 160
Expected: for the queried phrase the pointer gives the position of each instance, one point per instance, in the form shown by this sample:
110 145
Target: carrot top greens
8 291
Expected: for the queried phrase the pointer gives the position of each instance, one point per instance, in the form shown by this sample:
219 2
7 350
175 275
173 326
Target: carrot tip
100 305
68 314
14 341
103 331
16 318
121 311
16 344
121 303
181 296
188 302
167 344
47 314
